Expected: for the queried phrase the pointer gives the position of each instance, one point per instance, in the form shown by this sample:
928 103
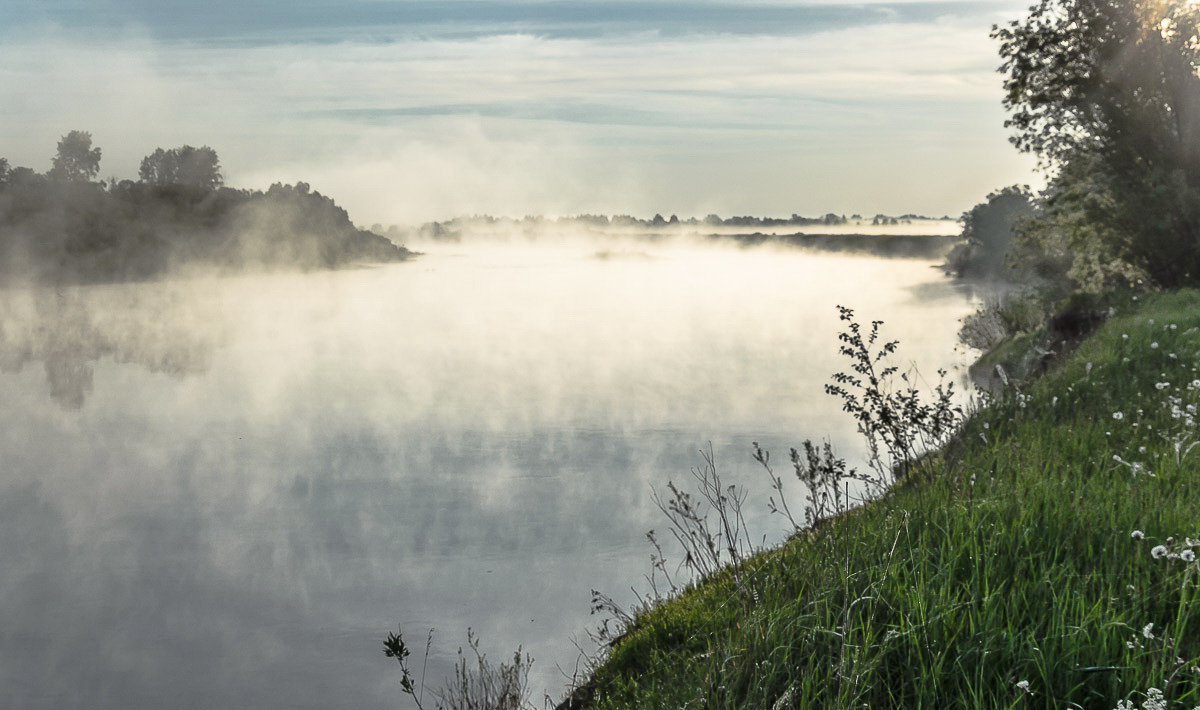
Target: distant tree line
453 228
64 226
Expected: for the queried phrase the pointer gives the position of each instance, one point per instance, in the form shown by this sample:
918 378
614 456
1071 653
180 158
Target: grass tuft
1020 567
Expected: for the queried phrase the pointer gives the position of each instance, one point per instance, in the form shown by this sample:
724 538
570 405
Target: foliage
1069 244
1002 316
197 167
1046 560
709 527
988 234
478 684
76 159
61 227
825 479
1106 92
898 425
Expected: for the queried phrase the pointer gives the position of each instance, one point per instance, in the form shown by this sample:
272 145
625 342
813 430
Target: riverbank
1042 559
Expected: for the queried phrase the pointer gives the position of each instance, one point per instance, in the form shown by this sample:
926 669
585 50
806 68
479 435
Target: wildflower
1158 552
1124 336
1161 385
1137 535
1154 700
1154 346
1187 556
1148 630
1191 543
1118 416
1023 685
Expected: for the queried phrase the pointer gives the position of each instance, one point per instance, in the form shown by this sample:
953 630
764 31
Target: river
225 492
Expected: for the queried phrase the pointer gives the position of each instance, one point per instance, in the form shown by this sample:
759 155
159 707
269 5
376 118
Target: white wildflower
1154 346
1148 630
1187 556
1158 552
1118 416
1137 535
1023 685
1154 700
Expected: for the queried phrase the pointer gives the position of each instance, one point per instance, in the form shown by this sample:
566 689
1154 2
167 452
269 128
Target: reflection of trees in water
70 330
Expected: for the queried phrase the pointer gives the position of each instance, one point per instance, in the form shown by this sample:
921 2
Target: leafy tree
76 160
198 167
3 170
1106 93
988 230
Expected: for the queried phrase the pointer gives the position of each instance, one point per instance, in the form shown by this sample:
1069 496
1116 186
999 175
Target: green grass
1007 558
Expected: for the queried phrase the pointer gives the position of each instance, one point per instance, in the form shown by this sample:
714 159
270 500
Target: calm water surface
224 492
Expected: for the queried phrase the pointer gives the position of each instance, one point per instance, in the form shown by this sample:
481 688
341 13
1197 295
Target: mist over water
224 492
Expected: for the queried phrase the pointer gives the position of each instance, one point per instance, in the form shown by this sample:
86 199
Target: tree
77 160
1106 93
3 170
185 165
988 230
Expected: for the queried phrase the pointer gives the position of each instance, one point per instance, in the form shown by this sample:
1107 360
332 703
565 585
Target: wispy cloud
659 106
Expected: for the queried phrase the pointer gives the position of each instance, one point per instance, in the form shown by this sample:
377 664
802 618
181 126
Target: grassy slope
1010 559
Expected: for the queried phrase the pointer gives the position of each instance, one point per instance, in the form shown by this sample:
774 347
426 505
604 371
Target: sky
412 110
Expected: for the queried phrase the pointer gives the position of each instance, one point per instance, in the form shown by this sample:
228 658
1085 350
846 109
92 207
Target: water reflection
468 440
69 330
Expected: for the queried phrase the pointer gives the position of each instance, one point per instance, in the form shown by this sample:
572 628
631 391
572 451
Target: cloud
401 126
